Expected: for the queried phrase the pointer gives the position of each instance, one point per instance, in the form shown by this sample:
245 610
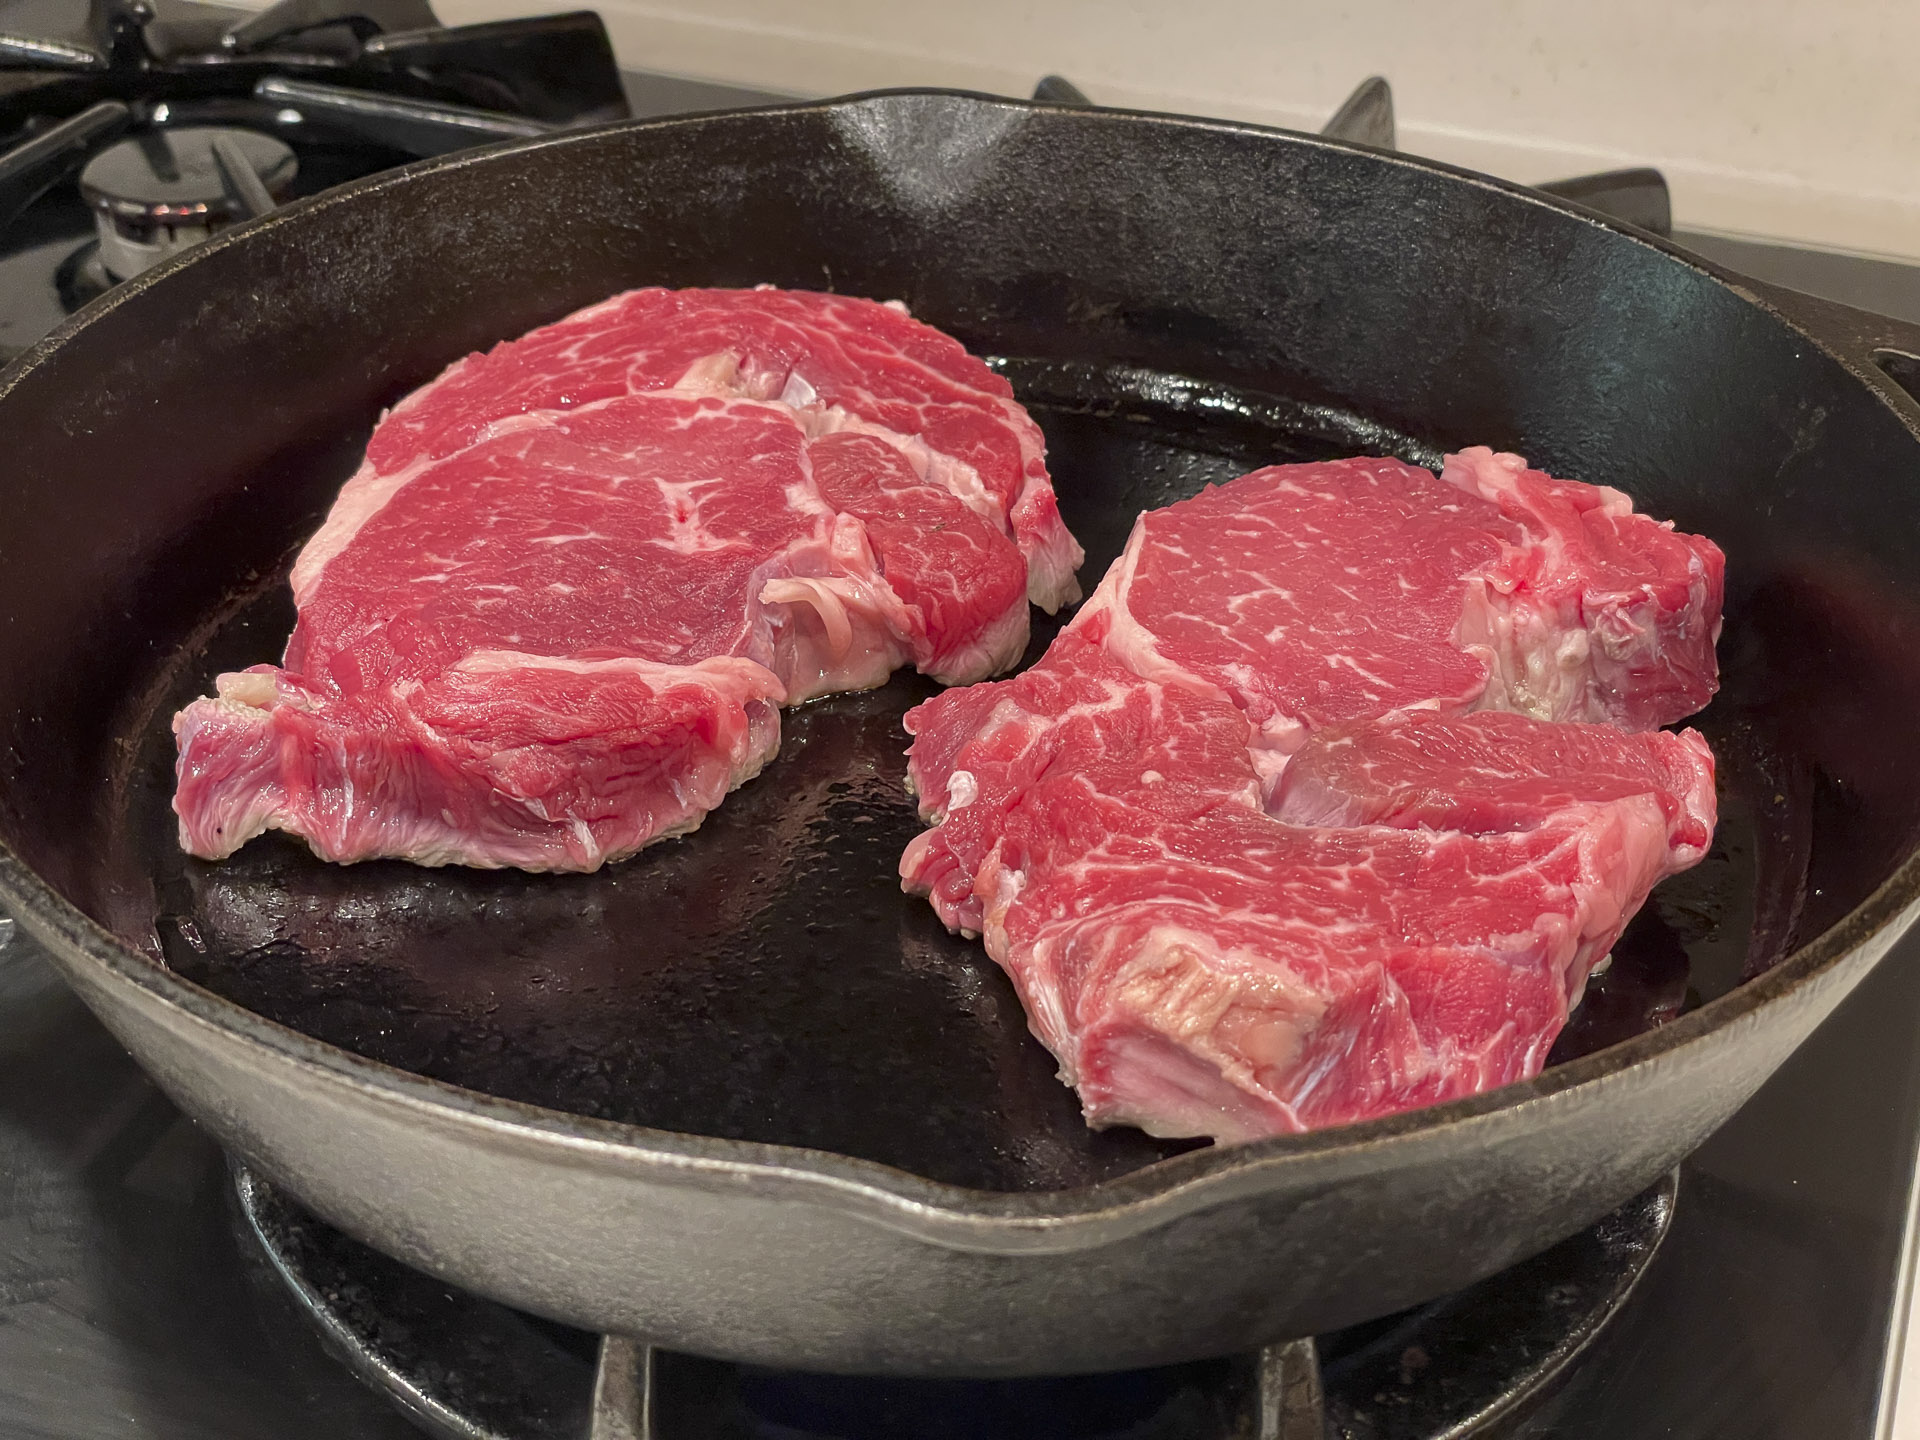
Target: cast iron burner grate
180 118
1471 1364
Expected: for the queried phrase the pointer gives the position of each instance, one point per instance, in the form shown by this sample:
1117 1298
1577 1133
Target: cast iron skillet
741 1097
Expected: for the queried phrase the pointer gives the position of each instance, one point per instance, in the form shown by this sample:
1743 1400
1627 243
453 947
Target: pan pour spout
1279 836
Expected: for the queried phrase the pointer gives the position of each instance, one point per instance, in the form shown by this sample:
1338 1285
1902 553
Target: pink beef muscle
552 617
842 362
1331 797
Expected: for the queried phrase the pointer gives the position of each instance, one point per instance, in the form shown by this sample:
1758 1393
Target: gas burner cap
162 191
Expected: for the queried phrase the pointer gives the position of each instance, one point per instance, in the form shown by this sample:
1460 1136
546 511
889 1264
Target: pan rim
974 1218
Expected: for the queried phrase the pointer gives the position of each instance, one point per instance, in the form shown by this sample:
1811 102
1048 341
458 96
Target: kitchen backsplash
1793 119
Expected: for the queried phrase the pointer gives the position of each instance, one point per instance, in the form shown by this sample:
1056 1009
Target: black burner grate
1470 1364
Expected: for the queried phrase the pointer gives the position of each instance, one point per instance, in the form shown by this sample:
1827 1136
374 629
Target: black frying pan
739 1095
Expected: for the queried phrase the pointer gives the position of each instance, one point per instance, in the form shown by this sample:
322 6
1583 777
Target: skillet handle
1881 349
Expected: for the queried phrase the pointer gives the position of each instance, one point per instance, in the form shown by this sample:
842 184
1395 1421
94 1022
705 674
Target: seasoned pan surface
765 978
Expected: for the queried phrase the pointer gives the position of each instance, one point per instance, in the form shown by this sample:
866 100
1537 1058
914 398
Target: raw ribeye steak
1332 796
553 615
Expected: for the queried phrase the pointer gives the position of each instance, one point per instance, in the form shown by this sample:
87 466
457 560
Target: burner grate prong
243 181
1292 1404
1366 116
363 17
623 1391
34 166
415 127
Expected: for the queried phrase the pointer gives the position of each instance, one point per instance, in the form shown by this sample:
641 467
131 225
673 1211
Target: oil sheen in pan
764 978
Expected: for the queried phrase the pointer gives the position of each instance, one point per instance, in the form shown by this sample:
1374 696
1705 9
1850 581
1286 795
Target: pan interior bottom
764 978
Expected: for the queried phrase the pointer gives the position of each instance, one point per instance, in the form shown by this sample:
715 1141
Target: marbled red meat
553 615
1333 794
847 363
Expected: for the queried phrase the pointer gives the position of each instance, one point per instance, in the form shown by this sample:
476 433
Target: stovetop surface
126 1307
33 247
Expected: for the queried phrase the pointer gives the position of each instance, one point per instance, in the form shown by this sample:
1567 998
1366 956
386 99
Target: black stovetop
130 1306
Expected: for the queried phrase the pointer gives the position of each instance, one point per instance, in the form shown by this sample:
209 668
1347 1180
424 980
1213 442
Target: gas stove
130 130
150 1288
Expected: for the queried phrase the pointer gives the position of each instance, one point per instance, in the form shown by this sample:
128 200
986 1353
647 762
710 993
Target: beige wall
1772 117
